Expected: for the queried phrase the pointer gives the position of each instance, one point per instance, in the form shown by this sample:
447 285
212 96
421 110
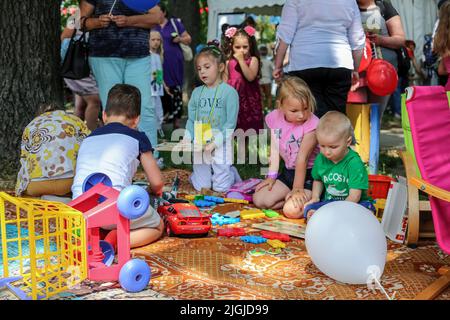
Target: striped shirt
125 42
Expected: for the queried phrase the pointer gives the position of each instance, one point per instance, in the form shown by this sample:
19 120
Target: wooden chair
416 207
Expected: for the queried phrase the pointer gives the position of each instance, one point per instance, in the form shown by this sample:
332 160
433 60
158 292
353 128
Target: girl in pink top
242 71
293 137
441 43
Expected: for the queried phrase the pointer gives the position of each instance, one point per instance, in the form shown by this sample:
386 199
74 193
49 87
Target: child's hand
210 147
298 197
268 182
239 56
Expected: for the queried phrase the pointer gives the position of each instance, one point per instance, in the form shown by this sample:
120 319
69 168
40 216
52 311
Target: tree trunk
29 71
189 13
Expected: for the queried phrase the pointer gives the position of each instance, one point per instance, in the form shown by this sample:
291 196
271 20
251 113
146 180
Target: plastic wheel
108 252
135 275
95 178
133 202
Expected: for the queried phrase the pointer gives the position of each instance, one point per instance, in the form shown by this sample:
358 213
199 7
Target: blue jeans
314 206
133 71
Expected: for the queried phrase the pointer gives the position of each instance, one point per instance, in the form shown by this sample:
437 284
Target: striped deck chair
429 117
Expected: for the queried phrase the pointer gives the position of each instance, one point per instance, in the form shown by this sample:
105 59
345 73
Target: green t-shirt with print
339 178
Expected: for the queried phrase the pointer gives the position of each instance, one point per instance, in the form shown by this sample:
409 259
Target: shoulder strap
174 25
380 4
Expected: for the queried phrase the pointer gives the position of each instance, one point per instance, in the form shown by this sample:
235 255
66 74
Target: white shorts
150 219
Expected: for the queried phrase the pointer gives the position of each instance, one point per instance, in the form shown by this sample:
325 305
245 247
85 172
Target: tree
29 71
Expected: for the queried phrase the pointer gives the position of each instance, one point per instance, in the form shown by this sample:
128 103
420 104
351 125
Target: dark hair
163 7
212 50
249 21
124 100
440 3
253 46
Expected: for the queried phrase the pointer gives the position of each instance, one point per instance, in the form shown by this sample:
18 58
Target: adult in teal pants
119 52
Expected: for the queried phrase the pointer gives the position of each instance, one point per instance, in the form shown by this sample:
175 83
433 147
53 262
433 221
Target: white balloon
346 242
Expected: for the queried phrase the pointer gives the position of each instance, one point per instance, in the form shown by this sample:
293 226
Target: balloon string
114 4
383 290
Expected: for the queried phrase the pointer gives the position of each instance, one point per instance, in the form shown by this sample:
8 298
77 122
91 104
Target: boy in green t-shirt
337 170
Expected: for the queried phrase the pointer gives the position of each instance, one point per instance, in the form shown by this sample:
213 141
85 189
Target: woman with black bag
85 90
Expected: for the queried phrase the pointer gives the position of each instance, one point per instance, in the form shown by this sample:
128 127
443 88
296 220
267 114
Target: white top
266 71
156 82
321 33
114 150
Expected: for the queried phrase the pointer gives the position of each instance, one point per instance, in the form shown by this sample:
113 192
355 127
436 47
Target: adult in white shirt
326 41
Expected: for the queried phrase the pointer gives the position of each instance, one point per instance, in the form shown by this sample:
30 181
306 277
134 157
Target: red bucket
379 186
382 77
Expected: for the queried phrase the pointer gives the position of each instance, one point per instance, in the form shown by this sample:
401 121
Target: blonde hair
335 123
296 88
441 42
160 51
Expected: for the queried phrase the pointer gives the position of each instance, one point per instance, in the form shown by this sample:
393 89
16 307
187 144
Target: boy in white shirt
116 150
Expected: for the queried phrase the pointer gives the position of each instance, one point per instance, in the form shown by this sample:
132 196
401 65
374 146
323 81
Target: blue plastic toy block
217 219
253 239
204 203
214 199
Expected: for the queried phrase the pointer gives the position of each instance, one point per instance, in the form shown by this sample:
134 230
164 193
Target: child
441 44
242 71
338 170
266 77
48 152
293 138
116 150
213 107
157 82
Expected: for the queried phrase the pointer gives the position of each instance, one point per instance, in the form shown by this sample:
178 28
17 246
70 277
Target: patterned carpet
219 268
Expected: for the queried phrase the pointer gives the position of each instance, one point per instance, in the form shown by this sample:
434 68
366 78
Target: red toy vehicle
184 219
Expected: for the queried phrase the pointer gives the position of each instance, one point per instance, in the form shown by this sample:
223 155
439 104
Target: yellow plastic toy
42 247
359 115
379 205
275 243
235 200
252 214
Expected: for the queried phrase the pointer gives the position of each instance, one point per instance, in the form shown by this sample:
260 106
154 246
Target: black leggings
173 106
329 86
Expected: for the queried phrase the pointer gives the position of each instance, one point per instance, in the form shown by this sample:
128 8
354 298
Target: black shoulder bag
76 63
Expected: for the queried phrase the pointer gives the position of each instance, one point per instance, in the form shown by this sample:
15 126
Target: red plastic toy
231 232
184 219
102 206
275 235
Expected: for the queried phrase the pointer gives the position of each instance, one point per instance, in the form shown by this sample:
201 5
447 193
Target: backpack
403 59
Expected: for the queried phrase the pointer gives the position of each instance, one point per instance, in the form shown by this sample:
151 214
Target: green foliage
267 30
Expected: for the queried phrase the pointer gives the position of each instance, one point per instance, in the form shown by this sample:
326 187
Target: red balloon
366 58
381 77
